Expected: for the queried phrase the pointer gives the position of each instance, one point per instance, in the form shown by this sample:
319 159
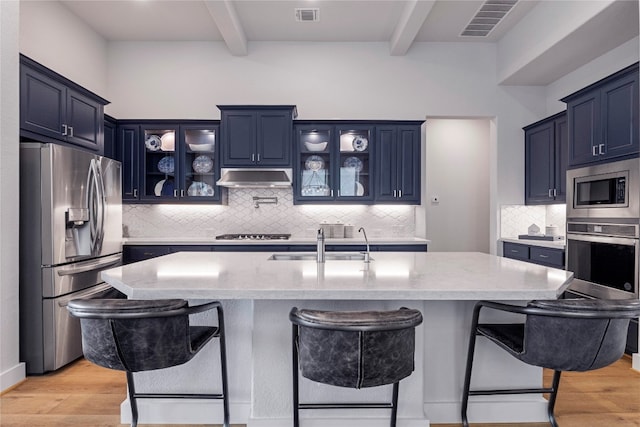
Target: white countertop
390 276
555 244
292 241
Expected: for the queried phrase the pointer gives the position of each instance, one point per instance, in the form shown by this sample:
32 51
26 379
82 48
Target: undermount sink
311 256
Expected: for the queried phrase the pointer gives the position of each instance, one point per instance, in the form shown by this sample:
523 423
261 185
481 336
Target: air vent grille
307 14
487 17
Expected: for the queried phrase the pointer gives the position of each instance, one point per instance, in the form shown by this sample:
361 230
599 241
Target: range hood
255 178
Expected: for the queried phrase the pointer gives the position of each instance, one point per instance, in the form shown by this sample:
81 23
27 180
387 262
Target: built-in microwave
608 190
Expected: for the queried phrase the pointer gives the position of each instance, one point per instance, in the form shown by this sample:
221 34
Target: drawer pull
543 256
515 251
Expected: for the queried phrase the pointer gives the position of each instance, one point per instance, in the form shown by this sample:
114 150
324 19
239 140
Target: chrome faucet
367 254
320 246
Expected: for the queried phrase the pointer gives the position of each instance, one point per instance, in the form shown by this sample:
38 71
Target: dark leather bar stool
353 349
143 335
563 335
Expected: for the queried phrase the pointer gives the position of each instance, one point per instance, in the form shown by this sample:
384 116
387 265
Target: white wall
615 60
11 370
52 35
459 221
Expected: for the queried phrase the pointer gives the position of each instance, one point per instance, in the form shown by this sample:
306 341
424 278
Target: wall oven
604 259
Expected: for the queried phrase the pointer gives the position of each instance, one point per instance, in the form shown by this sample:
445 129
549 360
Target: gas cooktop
253 237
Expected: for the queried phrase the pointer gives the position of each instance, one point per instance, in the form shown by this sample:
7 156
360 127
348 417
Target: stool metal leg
552 398
223 367
132 399
296 399
467 374
394 404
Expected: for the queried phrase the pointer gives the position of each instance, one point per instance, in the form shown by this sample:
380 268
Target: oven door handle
603 239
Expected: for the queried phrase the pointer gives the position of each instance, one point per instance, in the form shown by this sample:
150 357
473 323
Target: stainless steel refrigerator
70 230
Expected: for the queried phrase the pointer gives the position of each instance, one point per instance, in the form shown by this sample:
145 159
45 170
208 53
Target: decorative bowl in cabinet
201 147
153 143
316 146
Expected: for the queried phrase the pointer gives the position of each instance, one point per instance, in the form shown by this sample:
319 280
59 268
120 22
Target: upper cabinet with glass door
159 162
200 163
333 163
178 162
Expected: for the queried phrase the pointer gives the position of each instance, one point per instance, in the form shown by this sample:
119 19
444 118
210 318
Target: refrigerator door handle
101 264
95 202
86 294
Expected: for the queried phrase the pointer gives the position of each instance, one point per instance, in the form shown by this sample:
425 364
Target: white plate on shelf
360 143
359 189
314 163
202 164
166 164
153 143
353 162
157 190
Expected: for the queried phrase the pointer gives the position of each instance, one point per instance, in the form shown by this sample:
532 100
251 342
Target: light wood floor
85 395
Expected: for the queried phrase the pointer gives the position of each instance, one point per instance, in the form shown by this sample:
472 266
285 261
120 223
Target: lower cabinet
135 253
549 257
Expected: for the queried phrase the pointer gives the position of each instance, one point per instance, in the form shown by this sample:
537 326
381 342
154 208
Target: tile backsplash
241 216
516 219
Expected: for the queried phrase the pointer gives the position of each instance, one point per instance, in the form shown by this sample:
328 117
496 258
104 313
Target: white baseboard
479 411
635 361
337 422
12 376
184 411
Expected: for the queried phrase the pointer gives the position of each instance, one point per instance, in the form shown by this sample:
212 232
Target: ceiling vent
307 14
487 17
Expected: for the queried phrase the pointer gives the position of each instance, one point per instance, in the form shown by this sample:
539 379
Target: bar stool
353 349
563 335
143 335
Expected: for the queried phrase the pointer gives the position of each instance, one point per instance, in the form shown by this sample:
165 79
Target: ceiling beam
413 16
226 19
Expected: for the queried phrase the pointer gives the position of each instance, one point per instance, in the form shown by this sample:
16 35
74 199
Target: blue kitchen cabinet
334 162
256 136
134 253
169 161
549 257
546 151
603 119
110 132
55 109
398 149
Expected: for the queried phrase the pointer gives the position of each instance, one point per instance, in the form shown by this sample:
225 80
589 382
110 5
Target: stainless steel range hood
255 178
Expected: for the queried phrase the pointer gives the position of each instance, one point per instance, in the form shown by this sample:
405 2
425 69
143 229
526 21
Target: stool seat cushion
360 320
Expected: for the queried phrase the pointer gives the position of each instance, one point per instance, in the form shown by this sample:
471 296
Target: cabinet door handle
400 194
555 192
593 150
70 130
175 193
135 192
64 130
181 193
601 149
258 156
395 192
550 195
253 157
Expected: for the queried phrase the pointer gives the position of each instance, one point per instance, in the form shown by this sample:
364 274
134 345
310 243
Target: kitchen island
258 292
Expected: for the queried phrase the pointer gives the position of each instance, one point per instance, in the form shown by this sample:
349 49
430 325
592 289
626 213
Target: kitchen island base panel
259 358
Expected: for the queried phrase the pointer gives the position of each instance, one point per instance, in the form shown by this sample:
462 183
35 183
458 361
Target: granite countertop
390 276
555 244
292 241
